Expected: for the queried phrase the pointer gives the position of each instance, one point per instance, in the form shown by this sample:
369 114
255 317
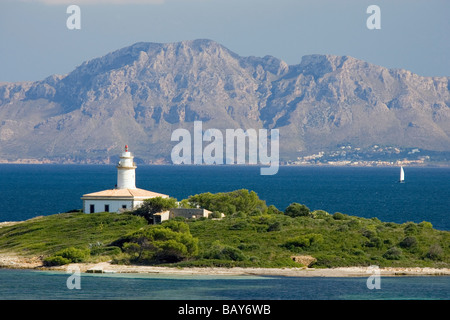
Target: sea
27 191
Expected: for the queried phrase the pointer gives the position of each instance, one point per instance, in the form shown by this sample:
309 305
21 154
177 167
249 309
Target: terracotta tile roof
124 193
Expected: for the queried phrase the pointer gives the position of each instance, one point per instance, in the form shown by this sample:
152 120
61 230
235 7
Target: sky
36 43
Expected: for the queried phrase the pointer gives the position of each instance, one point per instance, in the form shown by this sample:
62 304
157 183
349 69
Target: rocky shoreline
18 262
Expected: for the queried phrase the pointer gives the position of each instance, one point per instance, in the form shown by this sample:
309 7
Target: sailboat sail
402 174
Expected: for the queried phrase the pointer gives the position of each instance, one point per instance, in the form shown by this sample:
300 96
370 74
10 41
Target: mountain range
139 95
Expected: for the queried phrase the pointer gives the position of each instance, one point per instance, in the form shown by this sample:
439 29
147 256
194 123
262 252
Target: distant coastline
374 164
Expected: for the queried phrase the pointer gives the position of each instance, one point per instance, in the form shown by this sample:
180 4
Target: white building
125 196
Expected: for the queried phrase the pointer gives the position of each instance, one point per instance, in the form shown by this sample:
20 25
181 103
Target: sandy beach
18 262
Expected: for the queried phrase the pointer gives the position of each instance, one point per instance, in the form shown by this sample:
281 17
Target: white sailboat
402 174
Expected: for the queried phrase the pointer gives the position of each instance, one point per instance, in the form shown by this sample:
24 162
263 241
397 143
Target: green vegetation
297 210
251 234
169 242
65 256
154 205
47 235
228 203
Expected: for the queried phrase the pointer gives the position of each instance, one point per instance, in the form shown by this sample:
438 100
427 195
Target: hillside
139 94
262 237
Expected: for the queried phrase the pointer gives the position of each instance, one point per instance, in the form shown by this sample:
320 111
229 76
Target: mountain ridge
139 94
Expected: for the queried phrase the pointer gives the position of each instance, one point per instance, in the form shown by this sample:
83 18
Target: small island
242 235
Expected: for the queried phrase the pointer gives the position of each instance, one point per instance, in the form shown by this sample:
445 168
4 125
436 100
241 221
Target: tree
228 203
154 205
297 210
170 241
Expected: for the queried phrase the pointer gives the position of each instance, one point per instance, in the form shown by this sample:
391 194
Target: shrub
171 251
375 219
240 214
55 261
435 252
261 227
353 224
170 241
426 225
297 242
408 242
273 210
215 215
276 226
132 249
232 253
369 233
393 253
297 210
390 224
339 216
225 252
245 246
320 214
65 256
239 225
375 242
329 261
256 212
410 228
73 254
303 241
357 252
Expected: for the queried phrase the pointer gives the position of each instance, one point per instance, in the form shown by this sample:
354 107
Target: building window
106 207
92 208
124 206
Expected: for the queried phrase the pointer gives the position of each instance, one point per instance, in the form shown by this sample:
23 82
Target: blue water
27 191
26 284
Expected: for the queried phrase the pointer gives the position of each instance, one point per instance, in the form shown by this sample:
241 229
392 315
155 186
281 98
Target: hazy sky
35 42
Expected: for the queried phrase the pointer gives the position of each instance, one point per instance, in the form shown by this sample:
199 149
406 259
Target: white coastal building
125 196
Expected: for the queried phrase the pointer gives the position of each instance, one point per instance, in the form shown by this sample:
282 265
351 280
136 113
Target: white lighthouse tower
125 196
126 177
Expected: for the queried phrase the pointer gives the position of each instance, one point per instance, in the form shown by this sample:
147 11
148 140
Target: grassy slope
346 242
45 235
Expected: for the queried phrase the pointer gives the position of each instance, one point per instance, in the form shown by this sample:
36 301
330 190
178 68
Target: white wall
126 178
114 205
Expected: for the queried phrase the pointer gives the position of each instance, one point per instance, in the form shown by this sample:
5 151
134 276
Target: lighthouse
126 176
125 196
